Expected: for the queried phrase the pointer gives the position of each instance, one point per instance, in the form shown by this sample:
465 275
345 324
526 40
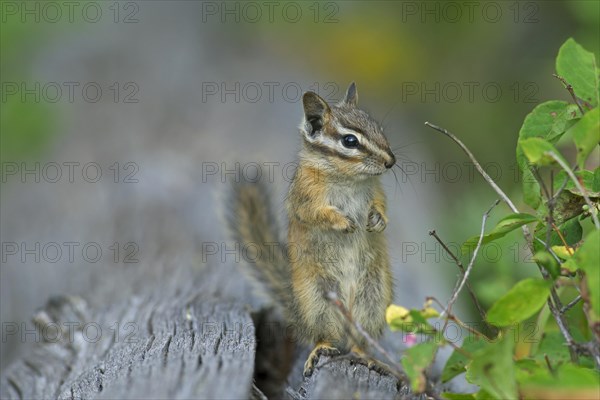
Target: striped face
344 138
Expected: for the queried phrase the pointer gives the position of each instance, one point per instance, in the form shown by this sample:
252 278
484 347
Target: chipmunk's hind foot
360 357
321 349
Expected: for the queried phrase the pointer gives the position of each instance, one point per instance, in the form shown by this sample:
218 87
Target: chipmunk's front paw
321 349
351 227
377 222
345 224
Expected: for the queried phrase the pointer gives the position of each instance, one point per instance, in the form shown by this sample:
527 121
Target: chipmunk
337 213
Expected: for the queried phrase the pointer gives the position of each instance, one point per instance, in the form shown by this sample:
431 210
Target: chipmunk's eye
350 141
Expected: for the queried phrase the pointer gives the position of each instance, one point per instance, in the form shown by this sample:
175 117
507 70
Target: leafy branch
565 257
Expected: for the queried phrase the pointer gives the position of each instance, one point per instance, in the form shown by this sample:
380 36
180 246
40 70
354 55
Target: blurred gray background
169 57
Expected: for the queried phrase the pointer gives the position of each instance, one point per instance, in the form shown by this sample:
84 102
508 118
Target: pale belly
346 257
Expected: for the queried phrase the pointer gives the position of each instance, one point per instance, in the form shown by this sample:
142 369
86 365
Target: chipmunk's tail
253 225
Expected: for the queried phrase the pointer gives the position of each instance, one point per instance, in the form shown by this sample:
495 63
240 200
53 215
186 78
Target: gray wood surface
164 348
183 346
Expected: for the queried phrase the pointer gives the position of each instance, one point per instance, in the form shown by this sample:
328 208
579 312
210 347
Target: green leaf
588 179
412 321
571 231
520 303
578 67
457 361
536 150
416 359
458 396
504 226
562 122
587 257
553 345
483 395
527 368
493 369
548 121
586 135
568 382
546 260
531 189
568 206
578 377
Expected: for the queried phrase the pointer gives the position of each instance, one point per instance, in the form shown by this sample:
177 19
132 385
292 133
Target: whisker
407 177
390 110
403 157
407 144
397 184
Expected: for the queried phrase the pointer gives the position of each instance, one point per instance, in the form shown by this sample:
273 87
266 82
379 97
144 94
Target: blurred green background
412 61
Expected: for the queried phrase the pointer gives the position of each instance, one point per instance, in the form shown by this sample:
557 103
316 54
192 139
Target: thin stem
333 298
570 305
562 238
458 321
471 262
459 349
549 364
550 203
467 327
489 180
563 328
562 187
558 260
537 175
462 270
570 90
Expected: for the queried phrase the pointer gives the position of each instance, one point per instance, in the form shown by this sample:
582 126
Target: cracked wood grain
179 346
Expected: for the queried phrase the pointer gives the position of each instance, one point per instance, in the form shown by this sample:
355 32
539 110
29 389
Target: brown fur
337 213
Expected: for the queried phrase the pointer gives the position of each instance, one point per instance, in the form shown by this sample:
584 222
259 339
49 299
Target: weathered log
148 348
182 346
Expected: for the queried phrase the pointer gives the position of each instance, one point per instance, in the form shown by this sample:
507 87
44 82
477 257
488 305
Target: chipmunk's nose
389 164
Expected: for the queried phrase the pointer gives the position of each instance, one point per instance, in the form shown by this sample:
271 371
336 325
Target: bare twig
549 364
474 331
551 200
573 347
465 276
489 180
570 305
454 318
577 185
593 350
560 190
396 370
555 310
554 302
570 90
529 238
549 249
537 175
462 270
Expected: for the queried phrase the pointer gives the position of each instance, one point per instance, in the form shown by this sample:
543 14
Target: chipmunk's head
344 139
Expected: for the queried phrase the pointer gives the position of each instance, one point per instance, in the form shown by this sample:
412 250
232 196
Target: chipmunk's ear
351 95
316 112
